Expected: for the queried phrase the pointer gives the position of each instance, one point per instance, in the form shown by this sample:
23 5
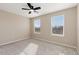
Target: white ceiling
45 8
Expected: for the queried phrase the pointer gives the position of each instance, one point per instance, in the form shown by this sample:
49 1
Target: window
37 25
57 25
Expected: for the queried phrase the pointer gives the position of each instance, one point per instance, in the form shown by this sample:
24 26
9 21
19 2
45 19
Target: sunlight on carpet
31 49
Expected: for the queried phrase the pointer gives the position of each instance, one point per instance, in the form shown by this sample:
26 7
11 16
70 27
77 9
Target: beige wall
13 27
78 28
70 35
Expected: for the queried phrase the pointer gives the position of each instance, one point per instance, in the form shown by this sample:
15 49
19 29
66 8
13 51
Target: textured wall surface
13 27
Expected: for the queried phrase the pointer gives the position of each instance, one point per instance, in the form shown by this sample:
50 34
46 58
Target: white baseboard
13 41
66 45
41 40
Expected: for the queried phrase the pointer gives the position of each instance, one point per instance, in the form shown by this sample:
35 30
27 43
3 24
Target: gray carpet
35 47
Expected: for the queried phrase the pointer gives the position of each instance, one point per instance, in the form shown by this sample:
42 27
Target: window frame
53 34
34 25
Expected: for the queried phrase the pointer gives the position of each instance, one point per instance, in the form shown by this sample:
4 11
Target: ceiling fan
31 8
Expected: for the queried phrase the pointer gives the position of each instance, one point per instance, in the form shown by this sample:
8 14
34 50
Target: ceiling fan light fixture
31 10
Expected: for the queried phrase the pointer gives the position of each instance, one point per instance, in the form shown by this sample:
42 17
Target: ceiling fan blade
25 9
30 6
29 12
37 8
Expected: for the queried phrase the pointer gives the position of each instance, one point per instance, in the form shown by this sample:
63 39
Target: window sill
58 35
36 33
